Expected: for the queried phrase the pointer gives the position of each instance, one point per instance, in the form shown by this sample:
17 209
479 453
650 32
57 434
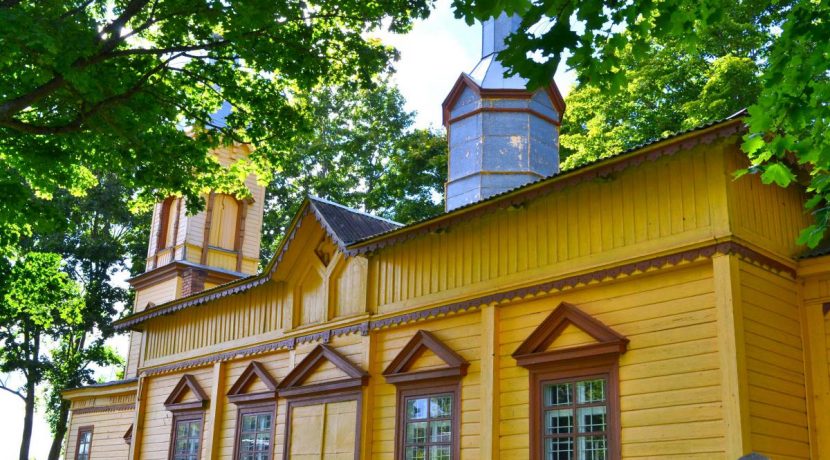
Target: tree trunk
31 382
28 419
60 431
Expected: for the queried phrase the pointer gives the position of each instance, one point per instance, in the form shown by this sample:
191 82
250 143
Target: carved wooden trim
292 385
186 382
533 350
398 369
254 370
96 409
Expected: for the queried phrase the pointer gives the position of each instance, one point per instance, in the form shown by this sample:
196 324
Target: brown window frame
606 367
164 221
254 408
81 430
425 389
183 416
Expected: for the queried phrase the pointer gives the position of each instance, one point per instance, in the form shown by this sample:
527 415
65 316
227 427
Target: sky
432 55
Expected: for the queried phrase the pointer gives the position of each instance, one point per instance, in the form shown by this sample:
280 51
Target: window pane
558 394
264 422
439 453
416 432
416 409
248 422
590 391
591 419
263 441
559 449
440 431
559 421
416 453
440 406
592 447
195 428
247 442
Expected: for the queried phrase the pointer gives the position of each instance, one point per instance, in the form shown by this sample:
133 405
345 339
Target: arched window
223 222
167 223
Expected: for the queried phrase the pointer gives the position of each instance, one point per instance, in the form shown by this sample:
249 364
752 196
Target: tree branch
14 392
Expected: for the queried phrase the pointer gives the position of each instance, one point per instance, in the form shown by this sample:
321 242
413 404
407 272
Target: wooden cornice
187 382
398 370
533 351
292 385
255 370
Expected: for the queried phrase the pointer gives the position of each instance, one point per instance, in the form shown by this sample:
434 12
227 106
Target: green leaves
778 173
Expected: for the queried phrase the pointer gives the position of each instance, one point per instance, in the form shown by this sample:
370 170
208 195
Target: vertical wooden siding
670 394
652 207
766 215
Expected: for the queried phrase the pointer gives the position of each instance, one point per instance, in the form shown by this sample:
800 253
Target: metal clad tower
501 135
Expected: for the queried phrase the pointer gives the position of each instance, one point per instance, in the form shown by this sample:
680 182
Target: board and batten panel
250 313
107 434
158 421
653 207
461 333
766 215
775 364
670 381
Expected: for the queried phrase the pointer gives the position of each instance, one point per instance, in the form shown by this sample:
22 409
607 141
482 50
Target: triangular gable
254 371
534 350
293 386
186 383
398 370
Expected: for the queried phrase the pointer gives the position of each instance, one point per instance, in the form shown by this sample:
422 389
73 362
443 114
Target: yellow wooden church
647 305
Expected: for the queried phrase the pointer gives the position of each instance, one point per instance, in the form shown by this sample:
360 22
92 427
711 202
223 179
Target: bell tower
501 134
189 254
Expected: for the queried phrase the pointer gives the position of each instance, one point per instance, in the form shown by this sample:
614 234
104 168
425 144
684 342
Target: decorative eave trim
254 370
292 384
96 409
398 370
187 382
606 274
533 350
590 172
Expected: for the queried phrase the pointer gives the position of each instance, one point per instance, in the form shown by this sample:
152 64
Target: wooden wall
775 364
107 435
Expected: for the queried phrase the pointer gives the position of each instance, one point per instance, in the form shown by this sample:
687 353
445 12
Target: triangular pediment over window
241 389
186 395
295 384
536 349
401 370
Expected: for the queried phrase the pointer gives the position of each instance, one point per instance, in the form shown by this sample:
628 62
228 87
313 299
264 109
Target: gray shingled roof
348 225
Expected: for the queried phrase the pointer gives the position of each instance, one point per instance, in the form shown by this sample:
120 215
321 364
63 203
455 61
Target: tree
101 85
362 153
787 124
40 302
667 90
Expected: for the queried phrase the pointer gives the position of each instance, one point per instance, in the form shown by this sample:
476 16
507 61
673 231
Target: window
428 430
224 222
254 433
428 420
167 223
84 447
574 390
575 423
187 435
